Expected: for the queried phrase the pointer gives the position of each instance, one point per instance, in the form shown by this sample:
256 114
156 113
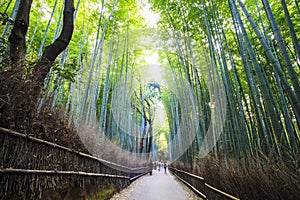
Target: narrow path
159 186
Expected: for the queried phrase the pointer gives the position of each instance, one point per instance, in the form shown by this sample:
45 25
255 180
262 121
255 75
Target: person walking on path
165 167
150 167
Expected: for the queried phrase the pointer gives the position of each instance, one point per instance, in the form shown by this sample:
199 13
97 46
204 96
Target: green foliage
3 49
4 19
210 27
102 192
68 71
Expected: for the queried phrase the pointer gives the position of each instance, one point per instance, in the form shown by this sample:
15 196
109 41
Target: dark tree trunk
149 140
17 37
141 145
60 44
19 108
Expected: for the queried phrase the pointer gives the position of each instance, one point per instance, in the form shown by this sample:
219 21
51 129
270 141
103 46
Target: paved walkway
159 186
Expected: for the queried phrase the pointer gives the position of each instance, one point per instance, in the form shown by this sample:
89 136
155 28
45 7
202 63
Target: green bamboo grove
230 72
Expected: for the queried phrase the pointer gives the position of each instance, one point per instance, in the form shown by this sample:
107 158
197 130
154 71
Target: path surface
159 186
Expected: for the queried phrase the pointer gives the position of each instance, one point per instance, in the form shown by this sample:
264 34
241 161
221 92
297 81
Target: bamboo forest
95 95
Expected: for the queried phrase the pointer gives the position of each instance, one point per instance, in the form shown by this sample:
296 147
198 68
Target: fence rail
37 140
29 165
198 185
54 172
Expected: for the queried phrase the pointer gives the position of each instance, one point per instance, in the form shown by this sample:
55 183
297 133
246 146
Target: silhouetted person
165 167
150 168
